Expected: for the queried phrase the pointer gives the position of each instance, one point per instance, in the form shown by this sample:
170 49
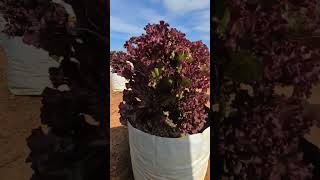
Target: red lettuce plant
261 45
169 77
72 148
39 23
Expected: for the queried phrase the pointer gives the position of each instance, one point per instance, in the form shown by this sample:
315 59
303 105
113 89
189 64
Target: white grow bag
118 82
27 66
158 158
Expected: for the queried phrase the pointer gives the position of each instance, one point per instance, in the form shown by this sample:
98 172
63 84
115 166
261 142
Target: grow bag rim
206 131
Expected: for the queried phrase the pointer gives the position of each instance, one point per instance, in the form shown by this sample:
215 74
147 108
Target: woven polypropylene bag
118 82
158 158
27 66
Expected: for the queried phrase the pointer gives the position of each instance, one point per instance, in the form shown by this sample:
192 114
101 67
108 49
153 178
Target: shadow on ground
120 164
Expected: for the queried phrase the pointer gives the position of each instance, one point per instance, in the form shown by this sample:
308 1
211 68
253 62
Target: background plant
71 147
259 46
168 82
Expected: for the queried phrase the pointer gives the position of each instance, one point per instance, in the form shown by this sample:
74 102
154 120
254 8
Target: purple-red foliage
33 21
168 80
277 35
262 140
276 43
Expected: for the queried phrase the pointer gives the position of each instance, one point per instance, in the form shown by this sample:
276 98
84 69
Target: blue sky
129 17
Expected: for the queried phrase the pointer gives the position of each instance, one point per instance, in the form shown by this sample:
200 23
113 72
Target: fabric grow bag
158 158
118 82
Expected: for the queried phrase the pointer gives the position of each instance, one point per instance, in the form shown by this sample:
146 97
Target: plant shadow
120 163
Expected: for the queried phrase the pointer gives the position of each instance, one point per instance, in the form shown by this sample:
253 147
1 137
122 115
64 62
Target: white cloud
189 16
119 25
203 27
201 21
183 6
203 15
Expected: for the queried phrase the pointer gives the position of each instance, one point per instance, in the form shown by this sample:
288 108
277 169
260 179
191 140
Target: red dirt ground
18 116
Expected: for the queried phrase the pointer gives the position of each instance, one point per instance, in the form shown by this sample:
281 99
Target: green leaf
185 56
179 67
153 74
190 59
157 72
181 57
186 82
244 67
172 55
